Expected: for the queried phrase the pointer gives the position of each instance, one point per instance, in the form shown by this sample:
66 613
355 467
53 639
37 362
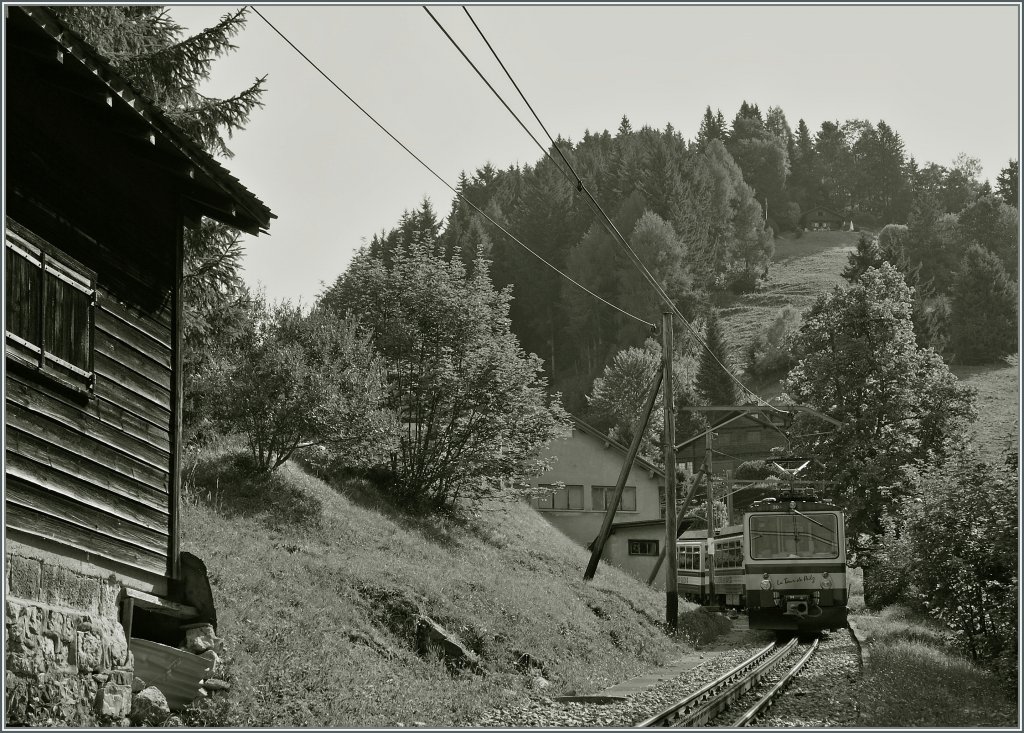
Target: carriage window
774 536
49 312
729 555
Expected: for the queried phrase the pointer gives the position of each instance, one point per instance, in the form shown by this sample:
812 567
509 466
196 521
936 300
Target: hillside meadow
318 585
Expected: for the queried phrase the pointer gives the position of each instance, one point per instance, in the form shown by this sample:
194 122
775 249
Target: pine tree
868 254
149 49
983 326
712 127
715 383
1008 183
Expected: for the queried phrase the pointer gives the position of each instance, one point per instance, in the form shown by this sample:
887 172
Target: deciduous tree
473 406
898 403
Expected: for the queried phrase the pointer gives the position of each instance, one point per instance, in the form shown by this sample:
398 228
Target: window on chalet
601 498
643 547
565 498
50 300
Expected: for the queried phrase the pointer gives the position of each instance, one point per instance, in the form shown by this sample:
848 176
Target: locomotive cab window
50 300
774 536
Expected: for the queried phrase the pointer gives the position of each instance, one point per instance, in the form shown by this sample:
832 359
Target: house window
601 498
50 301
564 498
643 547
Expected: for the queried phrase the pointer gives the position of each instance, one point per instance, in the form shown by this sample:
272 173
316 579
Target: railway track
702 706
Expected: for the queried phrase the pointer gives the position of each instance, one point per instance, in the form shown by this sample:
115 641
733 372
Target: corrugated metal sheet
175 672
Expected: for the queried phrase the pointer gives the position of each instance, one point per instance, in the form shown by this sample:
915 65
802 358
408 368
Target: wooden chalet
823 217
100 186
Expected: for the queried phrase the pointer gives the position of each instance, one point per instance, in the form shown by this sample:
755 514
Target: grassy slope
998 401
806 267
315 587
802 269
952 690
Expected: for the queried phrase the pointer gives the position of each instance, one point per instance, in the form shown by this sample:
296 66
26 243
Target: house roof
825 209
755 411
684 524
589 429
33 30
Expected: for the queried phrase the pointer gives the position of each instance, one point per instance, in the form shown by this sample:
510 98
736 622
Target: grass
915 679
998 403
802 269
318 588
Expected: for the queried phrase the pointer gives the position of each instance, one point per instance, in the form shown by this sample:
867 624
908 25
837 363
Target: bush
743 281
958 546
297 380
771 351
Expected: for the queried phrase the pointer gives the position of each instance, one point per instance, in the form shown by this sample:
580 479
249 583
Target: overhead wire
454 190
595 206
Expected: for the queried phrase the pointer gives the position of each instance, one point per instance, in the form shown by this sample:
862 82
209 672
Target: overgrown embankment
324 592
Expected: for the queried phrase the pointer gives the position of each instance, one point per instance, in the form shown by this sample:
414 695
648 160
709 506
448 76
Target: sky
946 77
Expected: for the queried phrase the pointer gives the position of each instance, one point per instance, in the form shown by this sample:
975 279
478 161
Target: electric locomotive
795 563
785 563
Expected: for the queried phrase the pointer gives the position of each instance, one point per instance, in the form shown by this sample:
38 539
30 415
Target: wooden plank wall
95 475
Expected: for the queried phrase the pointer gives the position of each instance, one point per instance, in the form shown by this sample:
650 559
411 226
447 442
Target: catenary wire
592 201
442 180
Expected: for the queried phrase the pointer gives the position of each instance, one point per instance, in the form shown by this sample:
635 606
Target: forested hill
694 212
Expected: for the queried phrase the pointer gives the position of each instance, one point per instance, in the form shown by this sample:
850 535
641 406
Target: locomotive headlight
826 581
766 584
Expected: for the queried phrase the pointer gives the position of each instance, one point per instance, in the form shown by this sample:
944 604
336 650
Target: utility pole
627 465
671 527
711 520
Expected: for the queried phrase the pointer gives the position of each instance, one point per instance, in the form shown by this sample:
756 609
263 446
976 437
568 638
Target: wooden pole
671 526
711 521
679 523
627 464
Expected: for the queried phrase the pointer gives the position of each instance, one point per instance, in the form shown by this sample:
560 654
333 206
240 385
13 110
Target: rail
769 697
701 706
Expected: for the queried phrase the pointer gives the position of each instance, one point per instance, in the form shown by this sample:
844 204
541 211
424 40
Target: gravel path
546 712
823 695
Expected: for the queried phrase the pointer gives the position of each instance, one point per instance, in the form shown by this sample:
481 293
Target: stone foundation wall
67 656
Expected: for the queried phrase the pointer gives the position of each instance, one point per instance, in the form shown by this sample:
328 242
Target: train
784 564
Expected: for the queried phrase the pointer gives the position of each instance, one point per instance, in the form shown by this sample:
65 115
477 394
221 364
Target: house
574 496
738 435
822 217
99 188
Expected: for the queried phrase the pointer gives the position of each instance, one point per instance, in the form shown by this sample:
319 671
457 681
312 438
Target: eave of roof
594 432
248 212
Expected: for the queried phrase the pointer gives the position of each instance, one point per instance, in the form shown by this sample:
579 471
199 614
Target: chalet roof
589 429
728 416
826 209
73 63
684 524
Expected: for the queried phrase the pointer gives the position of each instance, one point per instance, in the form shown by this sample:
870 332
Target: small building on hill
823 217
100 185
742 435
574 496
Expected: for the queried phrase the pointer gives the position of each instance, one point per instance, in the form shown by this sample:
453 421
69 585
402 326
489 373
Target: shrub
297 380
959 539
771 351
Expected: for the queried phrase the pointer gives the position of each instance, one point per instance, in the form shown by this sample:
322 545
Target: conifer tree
150 49
714 382
1008 183
983 325
868 254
